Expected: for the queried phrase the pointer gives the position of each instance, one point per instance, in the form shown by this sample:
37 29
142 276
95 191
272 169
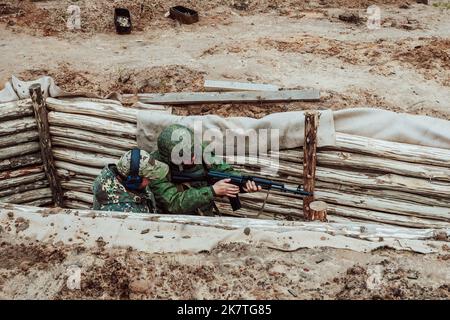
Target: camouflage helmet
148 166
172 136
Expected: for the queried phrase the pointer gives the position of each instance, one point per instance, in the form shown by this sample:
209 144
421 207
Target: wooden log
79 196
353 161
318 210
21 161
74 204
41 115
370 180
93 147
289 173
97 109
78 185
15 110
17 125
385 205
88 136
385 194
380 217
268 208
22 179
384 181
24 187
83 158
82 122
392 150
21 172
40 202
19 150
309 159
360 230
67 169
27 196
228 97
15 139
217 85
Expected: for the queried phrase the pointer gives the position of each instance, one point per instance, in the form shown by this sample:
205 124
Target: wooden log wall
361 179
22 176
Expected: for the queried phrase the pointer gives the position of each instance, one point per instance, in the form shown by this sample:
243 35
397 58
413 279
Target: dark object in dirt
350 17
356 270
241 4
423 1
145 231
122 20
183 14
21 224
247 231
6 9
441 236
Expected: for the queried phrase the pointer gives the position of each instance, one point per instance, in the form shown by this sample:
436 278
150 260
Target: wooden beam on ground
41 115
309 159
217 85
229 97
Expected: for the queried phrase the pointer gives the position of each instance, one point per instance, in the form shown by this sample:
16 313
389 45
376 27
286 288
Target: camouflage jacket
111 195
179 199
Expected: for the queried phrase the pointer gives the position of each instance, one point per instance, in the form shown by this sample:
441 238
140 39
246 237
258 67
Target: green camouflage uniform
111 195
196 198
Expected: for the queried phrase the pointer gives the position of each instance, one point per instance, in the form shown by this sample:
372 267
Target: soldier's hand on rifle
251 186
223 188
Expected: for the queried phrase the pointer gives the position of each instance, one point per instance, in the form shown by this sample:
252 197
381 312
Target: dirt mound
123 80
431 58
49 17
388 282
25 256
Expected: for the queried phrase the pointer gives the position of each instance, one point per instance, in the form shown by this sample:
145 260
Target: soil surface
402 66
234 271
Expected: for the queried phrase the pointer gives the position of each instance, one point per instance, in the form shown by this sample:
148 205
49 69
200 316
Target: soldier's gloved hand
251 186
223 188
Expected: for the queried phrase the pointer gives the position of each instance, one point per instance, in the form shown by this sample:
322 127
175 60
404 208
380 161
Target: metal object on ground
122 20
183 15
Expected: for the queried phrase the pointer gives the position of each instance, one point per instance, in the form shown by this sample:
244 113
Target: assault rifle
213 176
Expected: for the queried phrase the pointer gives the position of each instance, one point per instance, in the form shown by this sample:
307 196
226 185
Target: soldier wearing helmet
124 186
196 197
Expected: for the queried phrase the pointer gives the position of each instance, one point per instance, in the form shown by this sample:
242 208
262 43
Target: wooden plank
218 85
41 115
229 97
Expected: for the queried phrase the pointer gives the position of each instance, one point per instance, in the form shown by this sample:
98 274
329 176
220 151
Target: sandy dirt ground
30 270
404 66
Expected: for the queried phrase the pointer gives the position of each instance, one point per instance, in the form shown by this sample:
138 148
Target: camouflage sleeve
180 202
